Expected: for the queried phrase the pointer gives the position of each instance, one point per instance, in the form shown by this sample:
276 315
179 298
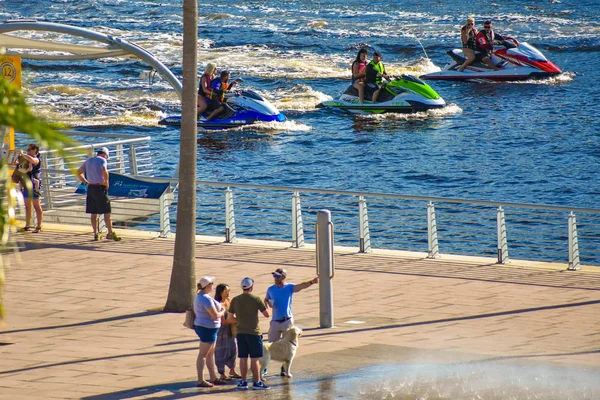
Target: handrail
461 224
111 143
382 195
366 194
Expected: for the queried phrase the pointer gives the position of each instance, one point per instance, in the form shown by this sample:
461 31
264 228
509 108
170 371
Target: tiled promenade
80 320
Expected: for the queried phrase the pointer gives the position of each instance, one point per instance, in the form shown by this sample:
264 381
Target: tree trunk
183 275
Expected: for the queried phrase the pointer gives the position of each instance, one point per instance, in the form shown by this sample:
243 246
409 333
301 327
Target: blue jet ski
242 107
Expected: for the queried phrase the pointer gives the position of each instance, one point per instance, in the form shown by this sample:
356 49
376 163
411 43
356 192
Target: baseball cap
104 150
247 283
205 281
279 272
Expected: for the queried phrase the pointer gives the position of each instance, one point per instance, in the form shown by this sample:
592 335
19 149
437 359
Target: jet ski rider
204 91
358 73
375 72
218 88
485 44
468 35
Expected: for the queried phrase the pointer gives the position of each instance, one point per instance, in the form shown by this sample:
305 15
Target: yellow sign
10 69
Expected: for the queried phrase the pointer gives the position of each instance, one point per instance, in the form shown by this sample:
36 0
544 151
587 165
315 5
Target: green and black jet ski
406 94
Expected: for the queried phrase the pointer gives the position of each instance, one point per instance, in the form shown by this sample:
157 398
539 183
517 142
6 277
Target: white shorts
277 329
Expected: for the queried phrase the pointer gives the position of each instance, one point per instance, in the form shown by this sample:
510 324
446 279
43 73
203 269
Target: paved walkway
80 320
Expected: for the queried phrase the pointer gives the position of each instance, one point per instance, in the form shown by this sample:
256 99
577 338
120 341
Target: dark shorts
213 105
480 56
206 335
249 345
97 201
373 86
31 194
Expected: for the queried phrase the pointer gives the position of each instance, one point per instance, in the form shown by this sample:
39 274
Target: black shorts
480 56
213 105
97 201
249 345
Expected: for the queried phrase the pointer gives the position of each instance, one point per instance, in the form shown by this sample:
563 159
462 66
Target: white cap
105 151
247 283
205 281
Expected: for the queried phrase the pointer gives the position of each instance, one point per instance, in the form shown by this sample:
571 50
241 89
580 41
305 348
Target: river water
530 142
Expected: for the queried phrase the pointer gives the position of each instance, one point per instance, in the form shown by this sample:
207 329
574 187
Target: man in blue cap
279 298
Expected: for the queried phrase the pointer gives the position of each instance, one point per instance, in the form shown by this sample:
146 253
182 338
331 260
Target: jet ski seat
459 59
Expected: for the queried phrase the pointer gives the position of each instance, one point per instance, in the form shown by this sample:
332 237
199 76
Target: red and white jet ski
517 62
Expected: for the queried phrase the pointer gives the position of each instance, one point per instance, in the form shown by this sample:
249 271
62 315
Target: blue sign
126 186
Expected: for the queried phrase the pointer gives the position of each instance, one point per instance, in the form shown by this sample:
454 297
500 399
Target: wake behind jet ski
406 94
243 107
517 62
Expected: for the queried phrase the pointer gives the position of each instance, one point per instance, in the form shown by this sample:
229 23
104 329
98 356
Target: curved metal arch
114 43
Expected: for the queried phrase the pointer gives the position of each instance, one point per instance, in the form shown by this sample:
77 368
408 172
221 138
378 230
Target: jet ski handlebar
509 43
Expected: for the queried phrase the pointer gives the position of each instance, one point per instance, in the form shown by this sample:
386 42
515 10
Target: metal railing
129 155
365 220
433 225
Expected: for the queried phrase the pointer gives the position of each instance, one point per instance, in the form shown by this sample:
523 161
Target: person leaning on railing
94 173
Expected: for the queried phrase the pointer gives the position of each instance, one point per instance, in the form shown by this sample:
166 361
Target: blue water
531 142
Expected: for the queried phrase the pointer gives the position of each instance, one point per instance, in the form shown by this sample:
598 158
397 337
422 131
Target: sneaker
260 385
113 236
282 373
243 385
97 236
264 372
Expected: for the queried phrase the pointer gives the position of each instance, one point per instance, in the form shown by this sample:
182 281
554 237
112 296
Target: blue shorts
206 335
249 345
30 194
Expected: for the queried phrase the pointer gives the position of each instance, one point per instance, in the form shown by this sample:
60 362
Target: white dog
283 350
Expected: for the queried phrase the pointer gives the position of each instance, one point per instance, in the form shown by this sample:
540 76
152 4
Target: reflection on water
472 381
467 381
215 143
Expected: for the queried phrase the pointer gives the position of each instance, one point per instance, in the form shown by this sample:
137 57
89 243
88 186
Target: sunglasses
487 26
469 24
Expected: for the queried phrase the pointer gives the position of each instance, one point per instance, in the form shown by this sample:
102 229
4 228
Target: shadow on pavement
84 323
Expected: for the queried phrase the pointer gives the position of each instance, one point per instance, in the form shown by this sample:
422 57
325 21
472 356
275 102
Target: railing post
433 250
120 157
229 217
297 225
133 167
502 238
59 180
165 218
46 183
363 226
573 244
325 267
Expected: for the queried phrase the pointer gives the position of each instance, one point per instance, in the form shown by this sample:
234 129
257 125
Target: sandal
204 384
219 381
234 376
25 229
37 229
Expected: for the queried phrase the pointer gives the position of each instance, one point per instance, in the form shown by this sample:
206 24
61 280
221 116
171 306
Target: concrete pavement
81 320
